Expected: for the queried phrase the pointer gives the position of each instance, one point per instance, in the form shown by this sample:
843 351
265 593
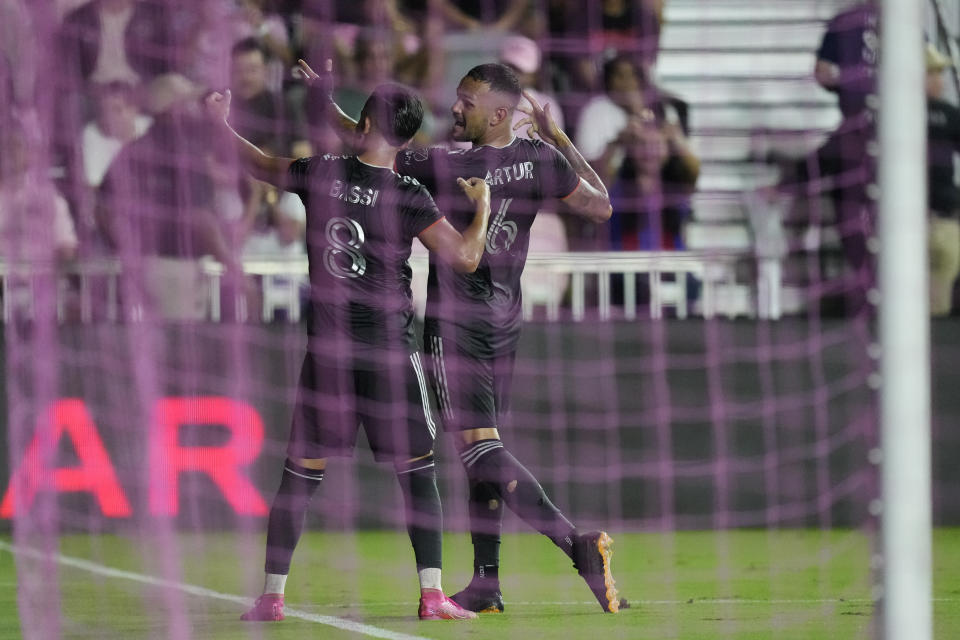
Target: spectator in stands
630 28
847 57
276 228
635 134
601 29
118 121
17 55
373 63
273 227
156 207
206 31
116 40
100 42
257 113
501 15
262 22
256 19
548 233
35 221
378 59
943 121
523 56
842 168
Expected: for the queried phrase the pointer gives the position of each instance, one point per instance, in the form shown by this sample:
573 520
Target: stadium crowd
123 70
127 74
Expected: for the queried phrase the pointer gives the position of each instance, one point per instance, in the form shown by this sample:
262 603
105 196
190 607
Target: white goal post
904 326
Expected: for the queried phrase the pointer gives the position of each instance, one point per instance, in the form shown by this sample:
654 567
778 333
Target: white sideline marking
194 590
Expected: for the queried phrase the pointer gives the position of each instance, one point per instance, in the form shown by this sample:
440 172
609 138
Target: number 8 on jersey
342 258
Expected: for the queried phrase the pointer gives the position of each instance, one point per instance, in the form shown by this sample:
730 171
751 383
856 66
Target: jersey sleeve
419 211
558 179
298 175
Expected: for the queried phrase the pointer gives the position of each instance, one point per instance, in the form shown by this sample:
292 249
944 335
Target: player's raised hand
475 188
217 105
540 121
313 79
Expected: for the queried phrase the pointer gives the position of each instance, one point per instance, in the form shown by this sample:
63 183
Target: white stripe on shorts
424 398
440 373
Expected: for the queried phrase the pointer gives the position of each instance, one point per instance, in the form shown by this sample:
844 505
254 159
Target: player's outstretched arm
590 199
462 251
262 166
343 125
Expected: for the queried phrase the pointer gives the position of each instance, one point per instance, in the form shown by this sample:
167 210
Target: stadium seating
745 67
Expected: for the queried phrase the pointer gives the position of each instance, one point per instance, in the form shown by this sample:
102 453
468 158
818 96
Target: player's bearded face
470 111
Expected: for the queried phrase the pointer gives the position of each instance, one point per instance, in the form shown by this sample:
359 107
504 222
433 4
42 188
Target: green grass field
703 585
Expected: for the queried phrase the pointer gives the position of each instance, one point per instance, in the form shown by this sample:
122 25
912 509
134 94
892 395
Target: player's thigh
325 420
503 382
394 406
464 386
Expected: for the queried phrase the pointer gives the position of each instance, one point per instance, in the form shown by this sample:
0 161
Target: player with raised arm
473 319
362 365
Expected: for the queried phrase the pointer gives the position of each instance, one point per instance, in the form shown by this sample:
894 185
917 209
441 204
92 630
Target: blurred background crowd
94 92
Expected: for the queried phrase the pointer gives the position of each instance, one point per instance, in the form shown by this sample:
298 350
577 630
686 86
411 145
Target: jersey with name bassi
485 305
361 221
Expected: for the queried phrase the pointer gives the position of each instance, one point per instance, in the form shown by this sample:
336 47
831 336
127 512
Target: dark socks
287 514
418 483
486 524
491 470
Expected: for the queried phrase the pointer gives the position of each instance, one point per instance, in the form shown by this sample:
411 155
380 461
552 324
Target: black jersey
943 141
851 42
361 221
484 306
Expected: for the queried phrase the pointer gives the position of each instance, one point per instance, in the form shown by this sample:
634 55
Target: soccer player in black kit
362 363
472 322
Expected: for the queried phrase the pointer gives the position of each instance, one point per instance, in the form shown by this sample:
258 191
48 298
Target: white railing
588 275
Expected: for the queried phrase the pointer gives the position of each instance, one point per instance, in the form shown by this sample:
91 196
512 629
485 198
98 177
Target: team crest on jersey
419 155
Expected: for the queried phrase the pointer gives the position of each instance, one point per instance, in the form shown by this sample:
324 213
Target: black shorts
338 393
472 392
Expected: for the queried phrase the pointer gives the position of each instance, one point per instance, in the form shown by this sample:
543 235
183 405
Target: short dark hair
395 110
500 77
610 67
249 45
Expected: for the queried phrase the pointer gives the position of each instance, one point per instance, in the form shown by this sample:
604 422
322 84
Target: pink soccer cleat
436 606
267 608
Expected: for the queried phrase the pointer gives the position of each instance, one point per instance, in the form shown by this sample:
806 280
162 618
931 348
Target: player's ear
365 128
499 115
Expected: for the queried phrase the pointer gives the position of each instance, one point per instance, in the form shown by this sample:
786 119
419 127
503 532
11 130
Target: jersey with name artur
361 221
484 308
